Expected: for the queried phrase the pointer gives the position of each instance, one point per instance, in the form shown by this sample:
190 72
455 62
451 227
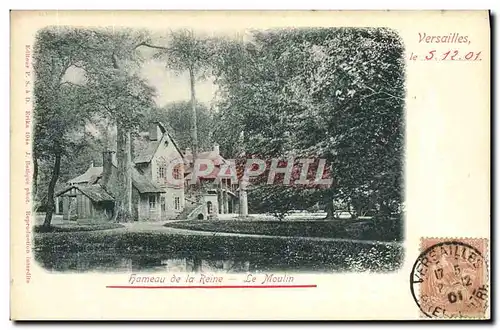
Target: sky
172 87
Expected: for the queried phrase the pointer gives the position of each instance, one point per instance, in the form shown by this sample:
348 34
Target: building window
152 202
161 169
162 172
177 172
177 203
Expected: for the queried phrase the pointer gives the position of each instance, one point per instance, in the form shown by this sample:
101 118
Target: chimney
154 131
107 166
216 149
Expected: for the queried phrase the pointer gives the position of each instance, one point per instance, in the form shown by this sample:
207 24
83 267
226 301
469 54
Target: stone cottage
162 188
90 195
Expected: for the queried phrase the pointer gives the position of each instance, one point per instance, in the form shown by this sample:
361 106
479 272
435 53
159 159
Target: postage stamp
450 278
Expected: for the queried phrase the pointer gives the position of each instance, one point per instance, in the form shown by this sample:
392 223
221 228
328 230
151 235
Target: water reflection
188 265
374 259
78 262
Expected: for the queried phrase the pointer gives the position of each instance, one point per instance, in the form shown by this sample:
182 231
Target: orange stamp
450 278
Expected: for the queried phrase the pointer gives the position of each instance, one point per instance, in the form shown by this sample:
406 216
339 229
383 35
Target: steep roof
143 184
139 180
148 148
95 192
90 176
145 154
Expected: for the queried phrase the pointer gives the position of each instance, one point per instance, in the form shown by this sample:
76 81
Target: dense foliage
332 93
82 77
336 94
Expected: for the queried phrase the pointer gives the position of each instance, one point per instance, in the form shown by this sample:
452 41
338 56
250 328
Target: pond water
93 262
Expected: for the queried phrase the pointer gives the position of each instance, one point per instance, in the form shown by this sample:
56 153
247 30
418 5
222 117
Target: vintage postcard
246 165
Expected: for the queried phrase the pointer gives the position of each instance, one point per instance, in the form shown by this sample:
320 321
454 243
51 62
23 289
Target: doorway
72 208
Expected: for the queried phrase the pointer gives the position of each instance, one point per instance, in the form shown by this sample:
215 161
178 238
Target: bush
76 227
379 230
384 229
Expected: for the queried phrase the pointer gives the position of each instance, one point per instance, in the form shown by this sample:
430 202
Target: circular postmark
449 280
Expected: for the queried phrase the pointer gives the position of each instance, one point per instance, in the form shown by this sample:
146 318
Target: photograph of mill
195 151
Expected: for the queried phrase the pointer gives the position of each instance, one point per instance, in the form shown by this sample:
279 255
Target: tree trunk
352 211
194 124
330 211
128 145
50 192
194 131
123 191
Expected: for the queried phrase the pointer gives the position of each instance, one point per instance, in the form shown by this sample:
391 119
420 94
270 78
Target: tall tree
118 91
104 61
189 52
57 104
231 59
336 94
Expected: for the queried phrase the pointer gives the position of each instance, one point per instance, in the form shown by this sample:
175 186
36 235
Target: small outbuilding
86 202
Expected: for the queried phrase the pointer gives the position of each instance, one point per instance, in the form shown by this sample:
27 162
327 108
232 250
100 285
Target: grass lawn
73 227
111 250
388 230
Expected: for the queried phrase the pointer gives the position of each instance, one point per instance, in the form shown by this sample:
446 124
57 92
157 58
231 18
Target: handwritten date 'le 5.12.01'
449 55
